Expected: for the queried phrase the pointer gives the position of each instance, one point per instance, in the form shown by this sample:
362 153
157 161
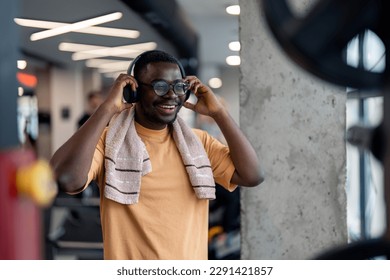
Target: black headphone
131 96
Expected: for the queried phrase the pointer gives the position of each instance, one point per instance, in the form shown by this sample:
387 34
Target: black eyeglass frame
171 86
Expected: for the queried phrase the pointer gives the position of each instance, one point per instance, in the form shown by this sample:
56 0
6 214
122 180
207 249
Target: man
155 173
94 99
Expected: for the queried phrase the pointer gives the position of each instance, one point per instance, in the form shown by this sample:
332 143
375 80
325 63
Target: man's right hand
114 102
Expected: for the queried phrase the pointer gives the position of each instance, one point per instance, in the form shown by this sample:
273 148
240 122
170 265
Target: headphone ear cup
129 95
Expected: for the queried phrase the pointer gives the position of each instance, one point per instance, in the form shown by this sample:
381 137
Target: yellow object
214 231
36 181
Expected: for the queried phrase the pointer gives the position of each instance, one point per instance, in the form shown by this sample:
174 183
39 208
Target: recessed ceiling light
233 10
22 64
215 82
233 60
235 46
20 91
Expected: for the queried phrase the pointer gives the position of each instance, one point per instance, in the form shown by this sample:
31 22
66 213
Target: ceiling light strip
99 62
83 56
75 47
121 51
75 26
113 32
106 70
120 65
96 30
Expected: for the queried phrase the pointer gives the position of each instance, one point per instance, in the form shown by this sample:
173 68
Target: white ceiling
214 26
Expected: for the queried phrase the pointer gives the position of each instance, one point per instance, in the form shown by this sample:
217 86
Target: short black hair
147 57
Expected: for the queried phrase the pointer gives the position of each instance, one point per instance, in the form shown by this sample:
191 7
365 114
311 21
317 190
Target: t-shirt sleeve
219 155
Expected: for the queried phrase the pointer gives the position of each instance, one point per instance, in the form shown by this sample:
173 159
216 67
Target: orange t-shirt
169 222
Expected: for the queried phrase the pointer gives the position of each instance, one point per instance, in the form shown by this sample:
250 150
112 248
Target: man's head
147 57
152 68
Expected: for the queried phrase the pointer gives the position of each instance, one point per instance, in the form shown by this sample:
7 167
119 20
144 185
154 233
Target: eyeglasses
161 87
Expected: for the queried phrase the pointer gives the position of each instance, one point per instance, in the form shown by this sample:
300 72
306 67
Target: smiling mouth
166 109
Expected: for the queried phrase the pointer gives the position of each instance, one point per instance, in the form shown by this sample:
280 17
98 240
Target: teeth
167 106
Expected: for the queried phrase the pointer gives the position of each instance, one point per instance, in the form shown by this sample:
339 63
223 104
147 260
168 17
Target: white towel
126 159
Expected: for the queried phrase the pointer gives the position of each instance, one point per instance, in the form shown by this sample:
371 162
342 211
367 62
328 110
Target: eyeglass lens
162 87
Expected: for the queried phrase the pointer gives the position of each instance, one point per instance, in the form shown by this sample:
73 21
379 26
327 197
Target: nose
171 93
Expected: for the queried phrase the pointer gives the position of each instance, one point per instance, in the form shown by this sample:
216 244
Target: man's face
153 111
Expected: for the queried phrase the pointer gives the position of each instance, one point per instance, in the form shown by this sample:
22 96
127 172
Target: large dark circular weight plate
317 40
362 250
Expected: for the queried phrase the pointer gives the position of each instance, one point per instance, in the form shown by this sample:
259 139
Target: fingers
128 105
194 82
189 105
115 98
125 79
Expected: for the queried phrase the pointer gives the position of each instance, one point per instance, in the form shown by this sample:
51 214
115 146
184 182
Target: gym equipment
317 41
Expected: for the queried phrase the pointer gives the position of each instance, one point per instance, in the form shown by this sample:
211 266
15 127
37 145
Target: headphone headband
130 70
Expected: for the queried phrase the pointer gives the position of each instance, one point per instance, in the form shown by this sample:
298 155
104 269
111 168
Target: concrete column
296 122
